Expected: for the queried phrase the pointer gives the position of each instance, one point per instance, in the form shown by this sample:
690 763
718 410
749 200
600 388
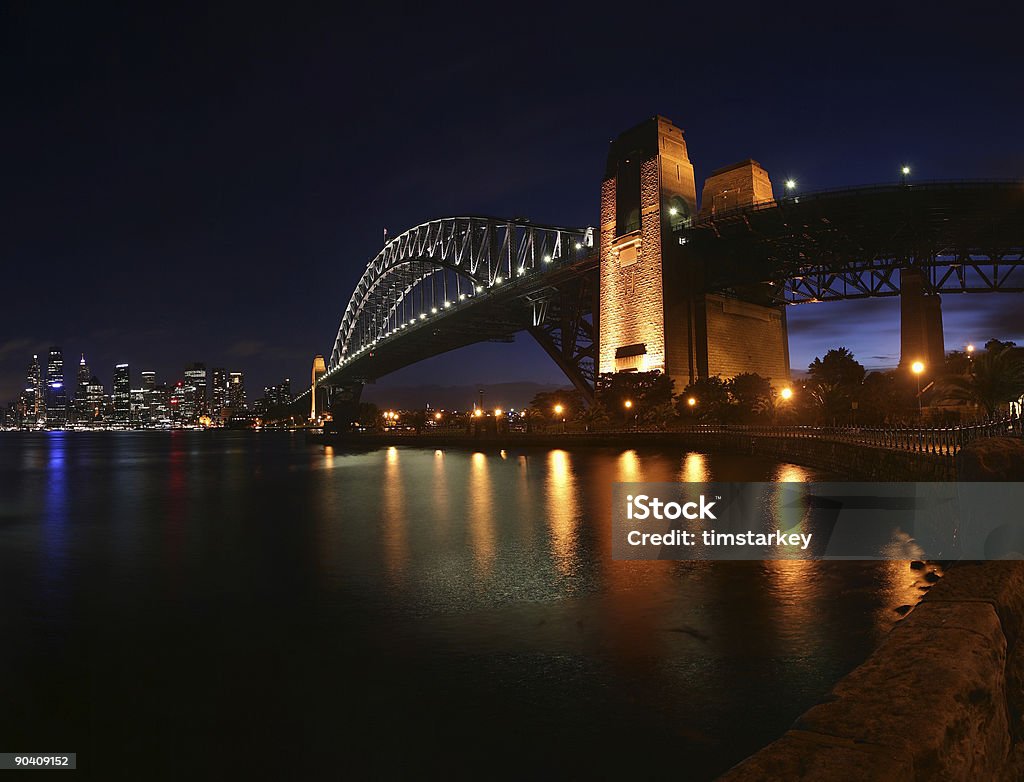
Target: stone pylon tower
921 337
317 401
655 310
647 191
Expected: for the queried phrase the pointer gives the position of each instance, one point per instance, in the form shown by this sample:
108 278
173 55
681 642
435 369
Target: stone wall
941 698
745 337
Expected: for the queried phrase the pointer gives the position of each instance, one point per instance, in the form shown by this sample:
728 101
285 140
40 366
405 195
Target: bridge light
433 310
423 316
547 259
497 412
411 321
462 297
522 271
497 280
447 304
786 393
478 412
579 246
479 288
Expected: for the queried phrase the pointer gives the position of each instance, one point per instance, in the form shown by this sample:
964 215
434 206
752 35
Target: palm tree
996 378
594 416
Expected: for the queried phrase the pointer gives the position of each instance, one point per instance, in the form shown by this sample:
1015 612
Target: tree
643 390
593 417
660 415
886 397
837 368
996 377
545 403
711 400
369 414
834 384
750 396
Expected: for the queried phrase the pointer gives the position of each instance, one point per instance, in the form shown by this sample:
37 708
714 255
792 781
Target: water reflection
394 515
695 469
481 519
55 518
461 572
562 511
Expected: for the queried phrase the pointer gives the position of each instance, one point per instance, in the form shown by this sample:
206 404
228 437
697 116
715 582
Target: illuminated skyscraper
94 399
83 409
218 391
236 392
195 385
57 394
122 394
35 395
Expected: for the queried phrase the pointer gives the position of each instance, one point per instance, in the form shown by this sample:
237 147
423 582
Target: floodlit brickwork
653 312
741 184
744 337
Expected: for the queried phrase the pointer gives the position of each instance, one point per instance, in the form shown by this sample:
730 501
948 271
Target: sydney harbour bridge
664 283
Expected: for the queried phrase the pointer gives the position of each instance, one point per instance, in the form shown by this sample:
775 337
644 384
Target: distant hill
504 395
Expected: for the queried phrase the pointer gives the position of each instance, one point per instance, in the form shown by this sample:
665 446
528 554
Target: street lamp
917 368
786 393
558 411
692 401
970 348
790 185
904 173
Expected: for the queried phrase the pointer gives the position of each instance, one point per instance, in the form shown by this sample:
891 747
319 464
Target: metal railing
944 441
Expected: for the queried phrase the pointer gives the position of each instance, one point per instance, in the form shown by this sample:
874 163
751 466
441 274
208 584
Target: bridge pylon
655 310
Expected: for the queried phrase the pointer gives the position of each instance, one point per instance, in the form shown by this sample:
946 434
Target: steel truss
963 273
442 266
561 327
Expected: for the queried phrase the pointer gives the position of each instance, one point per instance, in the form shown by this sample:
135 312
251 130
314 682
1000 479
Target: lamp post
904 173
917 368
558 412
628 404
790 187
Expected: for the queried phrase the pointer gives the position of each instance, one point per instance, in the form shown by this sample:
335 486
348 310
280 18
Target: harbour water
241 605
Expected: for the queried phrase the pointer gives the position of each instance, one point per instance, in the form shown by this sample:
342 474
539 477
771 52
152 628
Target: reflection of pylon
319 368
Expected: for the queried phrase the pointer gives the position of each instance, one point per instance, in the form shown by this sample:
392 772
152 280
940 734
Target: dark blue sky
208 185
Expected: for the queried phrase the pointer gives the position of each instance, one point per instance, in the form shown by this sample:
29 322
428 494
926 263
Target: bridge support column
921 337
656 312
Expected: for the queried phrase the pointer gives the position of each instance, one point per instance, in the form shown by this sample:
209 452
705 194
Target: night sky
209 184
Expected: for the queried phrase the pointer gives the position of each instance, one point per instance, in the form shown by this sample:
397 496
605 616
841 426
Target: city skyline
47 399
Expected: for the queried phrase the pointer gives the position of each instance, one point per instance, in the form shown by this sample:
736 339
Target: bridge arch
439 266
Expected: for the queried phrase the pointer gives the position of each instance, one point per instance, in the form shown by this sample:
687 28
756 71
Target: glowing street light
904 173
786 393
692 401
629 403
497 412
917 368
558 409
478 412
970 348
437 416
790 185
